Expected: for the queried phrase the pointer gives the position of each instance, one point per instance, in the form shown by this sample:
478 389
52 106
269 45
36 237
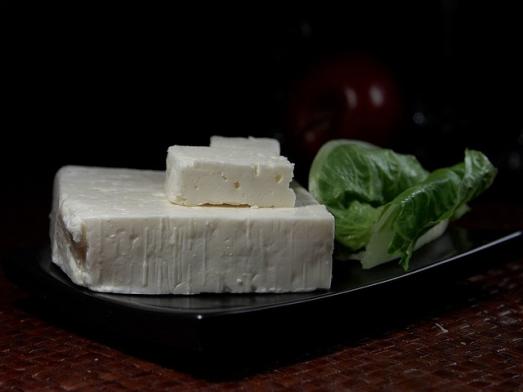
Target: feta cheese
264 145
113 230
217 175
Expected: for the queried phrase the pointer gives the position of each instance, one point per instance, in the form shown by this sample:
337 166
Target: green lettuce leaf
385 204
353 225
354 180
442 196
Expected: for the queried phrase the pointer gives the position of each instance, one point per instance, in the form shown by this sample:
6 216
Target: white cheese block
262 144
216 175
113 230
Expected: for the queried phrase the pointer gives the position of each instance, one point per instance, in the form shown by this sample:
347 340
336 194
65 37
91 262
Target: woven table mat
476 346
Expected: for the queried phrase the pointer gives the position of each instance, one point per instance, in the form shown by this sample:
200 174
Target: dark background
116 87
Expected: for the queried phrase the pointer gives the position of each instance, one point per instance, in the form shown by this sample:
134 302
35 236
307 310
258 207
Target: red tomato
346 97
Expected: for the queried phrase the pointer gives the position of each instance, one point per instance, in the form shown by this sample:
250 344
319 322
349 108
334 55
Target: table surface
470 339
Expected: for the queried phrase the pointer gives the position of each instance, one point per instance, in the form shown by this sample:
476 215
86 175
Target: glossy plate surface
183 320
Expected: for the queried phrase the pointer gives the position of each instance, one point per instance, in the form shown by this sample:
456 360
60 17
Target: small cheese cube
113 230
217 175
264 145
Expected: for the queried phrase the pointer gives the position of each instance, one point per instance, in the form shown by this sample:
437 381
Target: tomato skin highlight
351 96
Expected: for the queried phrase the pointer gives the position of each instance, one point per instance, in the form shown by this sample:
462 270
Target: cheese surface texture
113 230
262 144
216 175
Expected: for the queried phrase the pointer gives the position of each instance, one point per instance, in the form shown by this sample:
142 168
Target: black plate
203 322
